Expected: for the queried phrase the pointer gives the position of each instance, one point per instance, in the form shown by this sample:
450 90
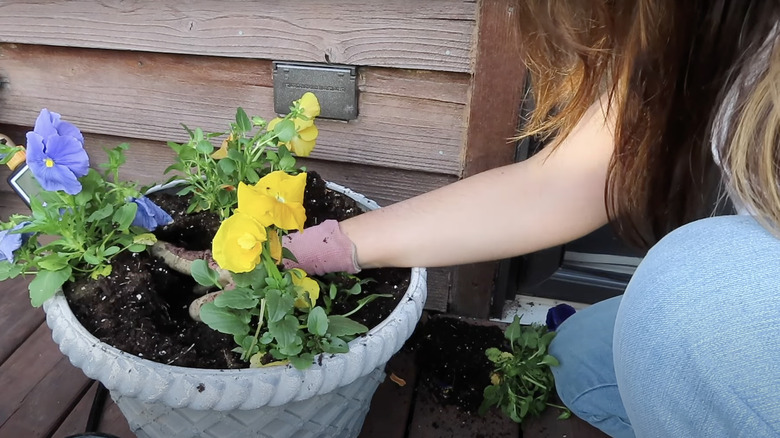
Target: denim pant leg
697 334
585 379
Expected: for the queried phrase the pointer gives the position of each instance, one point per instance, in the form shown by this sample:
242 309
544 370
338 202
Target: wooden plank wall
133 71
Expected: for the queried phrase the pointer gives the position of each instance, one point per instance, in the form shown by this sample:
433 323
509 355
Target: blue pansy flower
149 215
49 123
11 241
556 315
55 154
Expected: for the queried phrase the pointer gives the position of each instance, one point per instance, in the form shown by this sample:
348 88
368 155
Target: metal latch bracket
334 85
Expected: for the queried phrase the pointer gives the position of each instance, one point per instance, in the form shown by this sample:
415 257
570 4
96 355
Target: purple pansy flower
49 123
556 315
149 215
55 153
10 241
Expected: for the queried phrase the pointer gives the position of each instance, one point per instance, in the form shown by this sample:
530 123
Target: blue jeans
692 349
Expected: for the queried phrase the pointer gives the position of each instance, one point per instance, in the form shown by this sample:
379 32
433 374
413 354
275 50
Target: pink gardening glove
321 249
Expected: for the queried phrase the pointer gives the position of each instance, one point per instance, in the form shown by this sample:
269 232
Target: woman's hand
320 249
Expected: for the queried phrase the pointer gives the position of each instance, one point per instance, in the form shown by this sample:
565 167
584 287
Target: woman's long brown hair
665 66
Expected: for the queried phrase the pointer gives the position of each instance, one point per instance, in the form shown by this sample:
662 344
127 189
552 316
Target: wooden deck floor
43 395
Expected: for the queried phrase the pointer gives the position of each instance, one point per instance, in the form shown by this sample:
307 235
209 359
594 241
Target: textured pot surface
330 399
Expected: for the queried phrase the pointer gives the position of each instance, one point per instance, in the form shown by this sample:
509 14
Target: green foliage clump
521 381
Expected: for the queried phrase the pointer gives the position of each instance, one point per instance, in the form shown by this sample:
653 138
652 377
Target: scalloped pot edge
127 375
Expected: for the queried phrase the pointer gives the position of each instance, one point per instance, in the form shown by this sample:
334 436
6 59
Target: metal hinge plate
334 86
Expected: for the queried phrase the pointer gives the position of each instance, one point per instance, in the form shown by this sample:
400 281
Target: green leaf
287 254
145 239
342 326
514 330
565 415
136 248
46 284
285 330
254 278
365 300
227 165
52 262
287 162
124 216
204 147
547 338
9 270
530 339
175 146
493 354
278 305
492 394
243 122
236 299
101 271
101 214
176 166
223 320
186 190
291 349
317 322
202 274
251 176
336 345
549 360
302 361
333 290
111 250
236 155
285 130
354 290
91 258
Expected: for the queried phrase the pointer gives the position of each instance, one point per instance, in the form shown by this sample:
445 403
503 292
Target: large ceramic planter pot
330 399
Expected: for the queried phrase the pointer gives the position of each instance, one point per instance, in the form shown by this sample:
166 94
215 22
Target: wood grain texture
493 109
18 319
48 403
147 160
27 367
76 420
392 402
111 421
429 35
408 119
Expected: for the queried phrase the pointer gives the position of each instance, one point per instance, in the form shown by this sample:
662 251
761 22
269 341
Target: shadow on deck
43 395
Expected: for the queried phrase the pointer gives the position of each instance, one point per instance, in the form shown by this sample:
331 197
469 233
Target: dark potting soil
142 306
451 360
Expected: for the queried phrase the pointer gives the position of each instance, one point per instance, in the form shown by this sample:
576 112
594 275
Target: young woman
651 105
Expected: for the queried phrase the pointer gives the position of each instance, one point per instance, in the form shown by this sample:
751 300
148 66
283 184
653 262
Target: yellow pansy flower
222 152
275 247
238 243
305 139
304 284
310 105
277 199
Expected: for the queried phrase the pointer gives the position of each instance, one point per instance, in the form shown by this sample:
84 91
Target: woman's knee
705 296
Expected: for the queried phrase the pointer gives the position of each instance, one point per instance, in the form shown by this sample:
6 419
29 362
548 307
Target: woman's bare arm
547 200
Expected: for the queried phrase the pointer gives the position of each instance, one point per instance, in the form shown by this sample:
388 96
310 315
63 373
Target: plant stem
257 331
553 405
528 379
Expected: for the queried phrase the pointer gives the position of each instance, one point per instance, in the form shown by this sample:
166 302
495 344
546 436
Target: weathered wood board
429 35
417 125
